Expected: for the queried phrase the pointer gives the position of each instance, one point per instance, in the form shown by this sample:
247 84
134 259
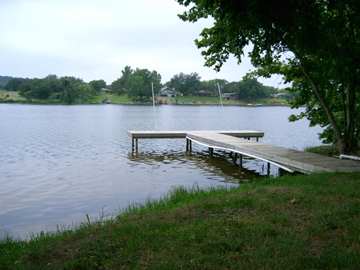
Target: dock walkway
176 134
288 159
239 142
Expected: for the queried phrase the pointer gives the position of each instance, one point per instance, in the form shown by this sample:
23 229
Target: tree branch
322 102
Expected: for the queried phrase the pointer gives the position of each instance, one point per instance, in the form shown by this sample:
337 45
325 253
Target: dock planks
238 142
288 159
176 134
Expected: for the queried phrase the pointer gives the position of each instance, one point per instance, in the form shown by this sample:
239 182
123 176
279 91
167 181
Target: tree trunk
350 140
337 132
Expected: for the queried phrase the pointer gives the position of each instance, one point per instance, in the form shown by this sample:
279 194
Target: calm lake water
59 163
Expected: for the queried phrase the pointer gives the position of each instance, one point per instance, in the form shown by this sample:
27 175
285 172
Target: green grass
203 100
15 97
112 98
293 222
10 96
325 150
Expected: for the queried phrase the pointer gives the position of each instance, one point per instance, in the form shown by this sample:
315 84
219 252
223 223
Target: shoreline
8 97
147 104
213 228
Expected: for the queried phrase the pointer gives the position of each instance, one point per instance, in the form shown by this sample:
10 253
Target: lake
59 163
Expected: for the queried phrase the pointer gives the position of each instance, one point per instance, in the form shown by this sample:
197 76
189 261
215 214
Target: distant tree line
137 83
4 80
68 90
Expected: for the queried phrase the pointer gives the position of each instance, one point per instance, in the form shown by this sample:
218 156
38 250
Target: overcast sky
95 39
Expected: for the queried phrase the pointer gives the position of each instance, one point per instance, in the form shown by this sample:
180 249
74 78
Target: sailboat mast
153 95
220 96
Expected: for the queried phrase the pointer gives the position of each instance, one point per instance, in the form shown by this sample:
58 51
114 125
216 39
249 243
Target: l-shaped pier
176 134
240 144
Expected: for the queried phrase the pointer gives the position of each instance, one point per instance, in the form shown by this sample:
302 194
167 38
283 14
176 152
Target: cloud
96 39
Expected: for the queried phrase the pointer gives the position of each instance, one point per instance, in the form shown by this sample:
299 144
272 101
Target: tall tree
15 84
187 84
97 85
121 85
211 86
251 89
139 84
4 80
314 44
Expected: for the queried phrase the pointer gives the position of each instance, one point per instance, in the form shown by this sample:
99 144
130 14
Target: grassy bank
298 222
197 100
11 97
14 97
110 98
327 150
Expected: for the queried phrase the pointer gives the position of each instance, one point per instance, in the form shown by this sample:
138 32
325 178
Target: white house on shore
229 96
167 92
106 90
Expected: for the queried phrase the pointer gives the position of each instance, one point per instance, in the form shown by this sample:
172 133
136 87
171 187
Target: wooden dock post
268 169
137 145
211 151
188 145
235 158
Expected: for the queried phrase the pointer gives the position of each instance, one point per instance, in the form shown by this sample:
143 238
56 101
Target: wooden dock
287 159
240 144
175 134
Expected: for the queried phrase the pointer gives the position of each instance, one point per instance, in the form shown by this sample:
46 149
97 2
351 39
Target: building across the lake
229 96
204 93
106 90
167 92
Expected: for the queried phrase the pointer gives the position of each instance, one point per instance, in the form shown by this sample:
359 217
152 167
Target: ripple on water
59 163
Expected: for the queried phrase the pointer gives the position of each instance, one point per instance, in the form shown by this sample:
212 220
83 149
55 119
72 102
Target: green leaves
186 84
314 45
68 90
121 85
139 84
97 85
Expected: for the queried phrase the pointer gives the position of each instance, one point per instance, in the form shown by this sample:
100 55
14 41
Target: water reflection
220 164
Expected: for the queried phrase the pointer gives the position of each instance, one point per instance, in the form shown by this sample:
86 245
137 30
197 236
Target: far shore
8 97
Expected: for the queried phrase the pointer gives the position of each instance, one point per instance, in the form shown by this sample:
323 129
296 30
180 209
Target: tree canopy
140 83
97 85
4 80
67 90
211 86
136 83
185 84
251 89
314 44
121 85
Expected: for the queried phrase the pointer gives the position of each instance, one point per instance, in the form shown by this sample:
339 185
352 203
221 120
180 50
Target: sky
95 39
